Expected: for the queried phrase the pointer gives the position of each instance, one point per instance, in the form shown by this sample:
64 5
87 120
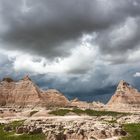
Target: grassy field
11 135
63 112
133 130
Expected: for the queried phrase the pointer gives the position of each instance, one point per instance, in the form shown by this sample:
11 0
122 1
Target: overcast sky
80 47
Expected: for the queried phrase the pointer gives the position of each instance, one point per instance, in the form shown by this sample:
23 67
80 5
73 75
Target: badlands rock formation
125 98
25 93
54 98
72 128
85 105
80 104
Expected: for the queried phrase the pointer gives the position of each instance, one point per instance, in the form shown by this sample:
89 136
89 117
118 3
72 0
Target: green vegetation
133 130
60 112
63 112
103 113
33 112
12 136
78 111
15 124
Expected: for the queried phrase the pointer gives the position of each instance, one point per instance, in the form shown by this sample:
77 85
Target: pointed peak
123 86
26 78
123 83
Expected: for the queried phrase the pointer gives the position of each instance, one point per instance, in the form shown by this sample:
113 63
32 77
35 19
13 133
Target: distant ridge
25 93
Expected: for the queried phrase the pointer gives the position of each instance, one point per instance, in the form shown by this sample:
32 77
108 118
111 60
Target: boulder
20 130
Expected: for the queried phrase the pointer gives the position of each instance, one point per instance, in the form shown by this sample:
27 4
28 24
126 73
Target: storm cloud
51 27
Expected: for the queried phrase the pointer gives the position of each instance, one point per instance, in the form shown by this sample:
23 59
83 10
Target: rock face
85 105
125 98
80 104
25 93
54 98
79 129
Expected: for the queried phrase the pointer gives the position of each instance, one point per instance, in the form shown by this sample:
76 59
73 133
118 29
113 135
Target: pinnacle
123 84
26 78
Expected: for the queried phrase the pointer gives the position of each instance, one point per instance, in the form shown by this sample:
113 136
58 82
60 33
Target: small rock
19 130
35 130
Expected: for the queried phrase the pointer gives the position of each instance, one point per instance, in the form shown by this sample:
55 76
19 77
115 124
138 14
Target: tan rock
79 129
54 98
80 104
85 105
25 93
125 98
97 104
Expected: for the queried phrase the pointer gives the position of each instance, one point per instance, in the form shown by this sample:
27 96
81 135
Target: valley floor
68 124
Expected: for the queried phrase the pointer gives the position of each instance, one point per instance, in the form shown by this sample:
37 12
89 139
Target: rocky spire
126 88
26 78
125 97
122 86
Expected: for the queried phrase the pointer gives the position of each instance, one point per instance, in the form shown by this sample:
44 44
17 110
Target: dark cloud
50 27
98 84
121 40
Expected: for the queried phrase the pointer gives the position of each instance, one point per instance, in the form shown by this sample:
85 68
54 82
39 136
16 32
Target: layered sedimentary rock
125 98
54 98
25 93
74 129
80 104
97 105
85 105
